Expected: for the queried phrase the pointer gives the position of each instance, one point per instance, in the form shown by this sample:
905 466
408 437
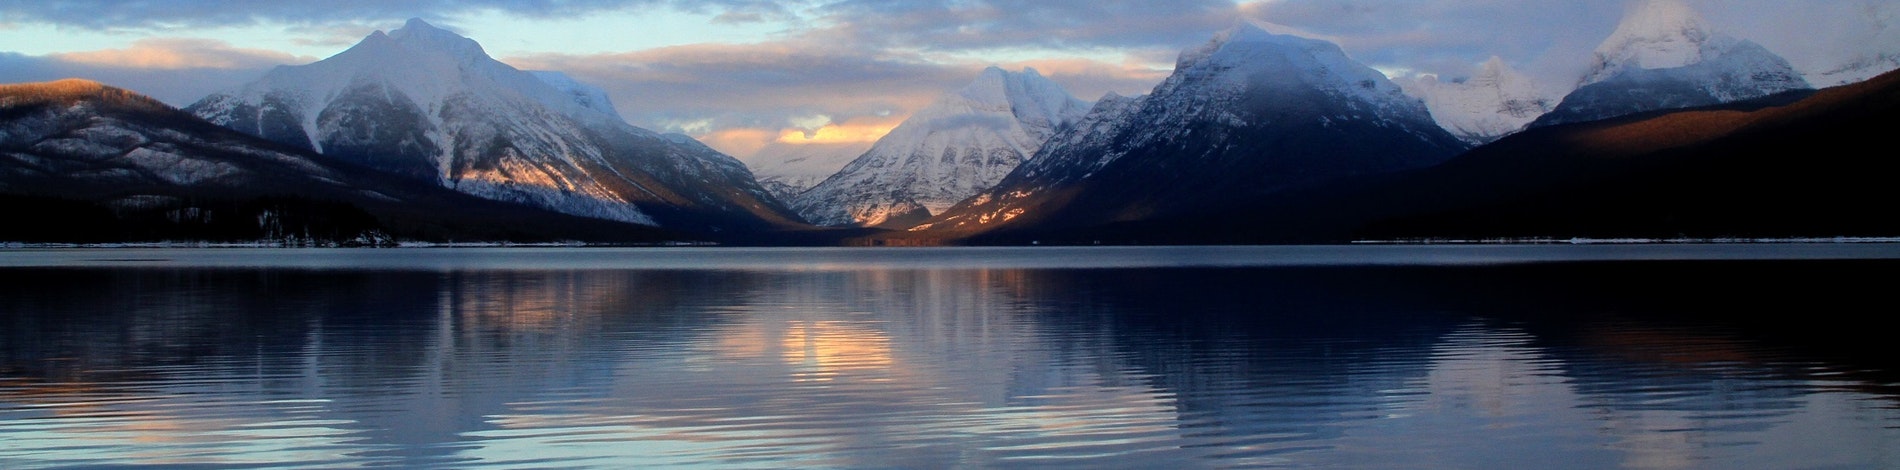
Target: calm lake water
1758 356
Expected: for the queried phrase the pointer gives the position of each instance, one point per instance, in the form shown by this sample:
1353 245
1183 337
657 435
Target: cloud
122 14
180 53
993 24
1553 39
177 71
741 98
858 131
1449 37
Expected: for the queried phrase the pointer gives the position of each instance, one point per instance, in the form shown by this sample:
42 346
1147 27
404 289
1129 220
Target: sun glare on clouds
836 134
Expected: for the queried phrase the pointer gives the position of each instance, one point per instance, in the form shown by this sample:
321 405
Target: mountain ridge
426 103
85 162
1247 114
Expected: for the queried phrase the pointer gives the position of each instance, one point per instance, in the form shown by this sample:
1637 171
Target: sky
752 77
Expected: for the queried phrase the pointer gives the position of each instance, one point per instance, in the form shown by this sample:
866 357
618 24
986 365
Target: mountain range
84 162
1675 131
428 104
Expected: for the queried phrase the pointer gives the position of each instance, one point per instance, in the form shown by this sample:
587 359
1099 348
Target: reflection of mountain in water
1599 365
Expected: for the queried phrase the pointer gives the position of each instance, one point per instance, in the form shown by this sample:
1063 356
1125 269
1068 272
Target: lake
1559 356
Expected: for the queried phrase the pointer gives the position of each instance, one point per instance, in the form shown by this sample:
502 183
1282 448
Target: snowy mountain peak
1656 34
1495 102
420 35
1664 56
429 104
1244 116
959 145
1494 69
1247 57
1241 32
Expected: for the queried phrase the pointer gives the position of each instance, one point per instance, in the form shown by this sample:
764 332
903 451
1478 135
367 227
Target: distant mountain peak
1495 102
962 143
1664 56
426 103
1656 34
1245 115
421 35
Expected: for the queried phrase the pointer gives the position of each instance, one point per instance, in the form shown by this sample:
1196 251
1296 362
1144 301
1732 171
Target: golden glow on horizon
837 134
746 142
739 142
179 54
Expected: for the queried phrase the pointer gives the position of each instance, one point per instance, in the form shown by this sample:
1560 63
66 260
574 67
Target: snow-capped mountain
1664 56
1485 107
1243 117
85 162
963 143
426 103
787 169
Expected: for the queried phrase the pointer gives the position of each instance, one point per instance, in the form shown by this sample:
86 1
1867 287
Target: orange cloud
739 142
837 133
179 54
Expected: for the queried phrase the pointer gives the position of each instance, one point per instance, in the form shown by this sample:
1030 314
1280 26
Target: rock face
1494 103
963 143
431 105
1245 116
1663 56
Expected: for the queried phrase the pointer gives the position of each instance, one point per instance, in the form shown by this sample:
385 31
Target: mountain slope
963 143
1791 165
1485 107
427 104
83 162
1664 56
1245 116
787 169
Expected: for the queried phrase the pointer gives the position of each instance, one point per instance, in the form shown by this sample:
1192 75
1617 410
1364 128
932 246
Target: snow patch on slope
588 96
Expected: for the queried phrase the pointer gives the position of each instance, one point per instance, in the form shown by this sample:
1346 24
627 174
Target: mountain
84 162
1248 115
1797 164
787 169
428 104
1664 56
1485 107
961 144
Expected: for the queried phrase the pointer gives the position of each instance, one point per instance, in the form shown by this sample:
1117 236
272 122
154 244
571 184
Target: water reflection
1475 367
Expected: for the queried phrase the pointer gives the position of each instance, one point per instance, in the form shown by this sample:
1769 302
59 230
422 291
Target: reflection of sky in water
891 368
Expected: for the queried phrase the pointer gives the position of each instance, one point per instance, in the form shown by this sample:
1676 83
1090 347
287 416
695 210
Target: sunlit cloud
836 134
181 53
741 142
